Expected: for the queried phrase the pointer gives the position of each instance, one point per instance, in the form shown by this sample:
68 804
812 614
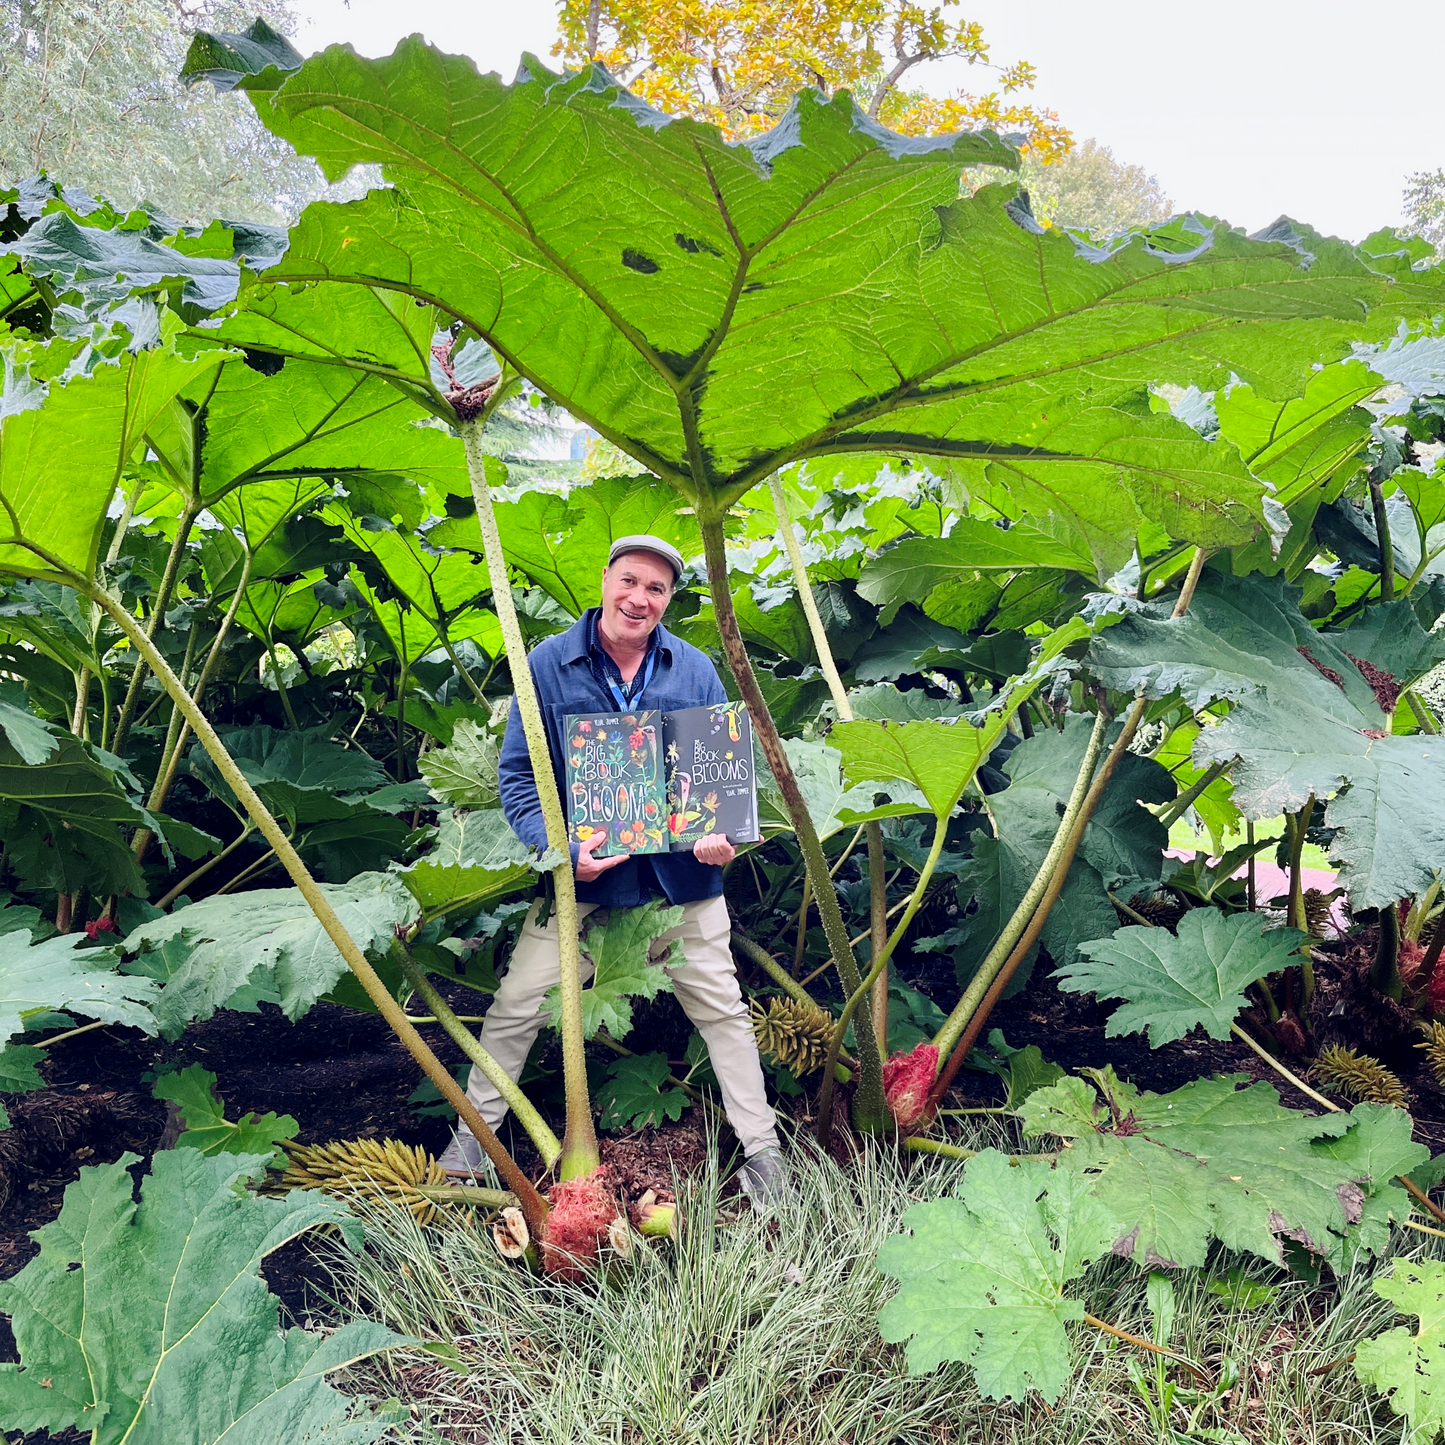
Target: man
620 657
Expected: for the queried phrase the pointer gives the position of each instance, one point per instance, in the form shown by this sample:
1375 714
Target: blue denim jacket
683 677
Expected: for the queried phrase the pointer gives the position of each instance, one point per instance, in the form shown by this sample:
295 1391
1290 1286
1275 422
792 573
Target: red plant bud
907 1078
582 1212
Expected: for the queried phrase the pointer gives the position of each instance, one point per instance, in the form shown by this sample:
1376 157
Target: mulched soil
344 1075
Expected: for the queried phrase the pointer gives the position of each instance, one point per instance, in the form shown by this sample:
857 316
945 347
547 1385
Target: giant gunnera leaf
1310 715
1171 983
828 262
982 1276
1408 1366
269 934
1213 1161
621 955
149 1324
55 976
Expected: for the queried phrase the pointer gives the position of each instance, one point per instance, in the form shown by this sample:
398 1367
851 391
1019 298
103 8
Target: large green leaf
726 309
476 859
301 776
193 1091
912 569
982 1276
561 543
1208 1161
1304 720
55 976
938 757
62 454
270 934
1408 1366
464 773
624 966
832 803
1173 983
149 1323
1308 439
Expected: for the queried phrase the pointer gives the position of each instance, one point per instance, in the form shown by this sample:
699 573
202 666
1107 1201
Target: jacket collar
574 640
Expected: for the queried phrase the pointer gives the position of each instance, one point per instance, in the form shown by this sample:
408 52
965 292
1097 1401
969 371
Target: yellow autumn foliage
738 63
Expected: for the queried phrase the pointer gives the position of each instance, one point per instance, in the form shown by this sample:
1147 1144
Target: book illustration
615 782
656 783
711 779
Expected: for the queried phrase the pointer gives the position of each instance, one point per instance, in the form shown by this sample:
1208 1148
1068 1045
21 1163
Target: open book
656 782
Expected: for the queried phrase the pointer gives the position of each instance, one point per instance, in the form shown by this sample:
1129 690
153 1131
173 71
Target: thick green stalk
756 953
205 867
1035 927
526 1113
171 761
953 1027
877 969
1385 540
870 1113
1172 812
532 1203
1423 715
580 1155
1299 828
878 927
877 891
162 600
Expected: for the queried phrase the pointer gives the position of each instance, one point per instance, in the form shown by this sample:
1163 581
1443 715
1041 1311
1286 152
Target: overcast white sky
1244 109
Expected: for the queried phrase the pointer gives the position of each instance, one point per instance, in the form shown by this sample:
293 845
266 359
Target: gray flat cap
646 542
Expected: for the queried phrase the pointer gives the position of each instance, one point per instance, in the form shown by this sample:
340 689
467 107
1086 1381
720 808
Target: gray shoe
463 1155
764 1178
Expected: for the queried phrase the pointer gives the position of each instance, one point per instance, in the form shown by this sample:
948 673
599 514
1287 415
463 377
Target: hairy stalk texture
968 1018
877 868
532 1203
869 1111
162 600
580 1155
521 1106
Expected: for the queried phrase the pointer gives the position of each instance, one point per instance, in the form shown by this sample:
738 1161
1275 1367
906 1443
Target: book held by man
656 782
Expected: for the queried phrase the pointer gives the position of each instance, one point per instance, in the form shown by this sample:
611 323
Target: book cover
614 781
711 775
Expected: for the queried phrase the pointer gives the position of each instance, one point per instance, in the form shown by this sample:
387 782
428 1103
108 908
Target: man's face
636 589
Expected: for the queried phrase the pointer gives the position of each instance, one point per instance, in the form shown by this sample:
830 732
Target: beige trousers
706 985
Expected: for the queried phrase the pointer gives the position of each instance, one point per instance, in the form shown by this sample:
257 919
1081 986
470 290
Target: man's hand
589 867
714 849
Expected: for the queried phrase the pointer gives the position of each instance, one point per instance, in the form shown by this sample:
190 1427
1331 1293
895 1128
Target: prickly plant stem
1384 539
157 616
580 1155
877 969
533 1206
1172 812
953 1027
756 953
869 1111
878 925
1385 972
877 871
1299 827
1050 896
540 1134
167 774
469 1194
1283 1072
1423 715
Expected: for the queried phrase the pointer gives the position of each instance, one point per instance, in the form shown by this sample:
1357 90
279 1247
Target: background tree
738 64
1088 188
1425 205
88 93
